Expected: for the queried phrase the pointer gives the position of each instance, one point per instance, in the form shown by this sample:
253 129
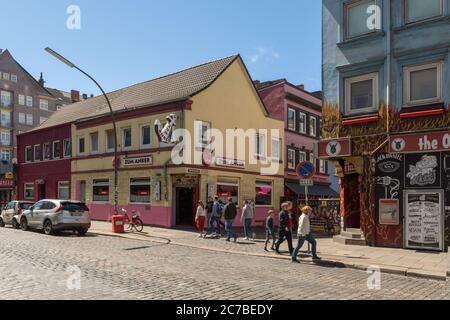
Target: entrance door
424 219
352 205
185 206
41 191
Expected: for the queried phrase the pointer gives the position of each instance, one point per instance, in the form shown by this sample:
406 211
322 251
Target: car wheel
15 224
2 223
48 227
24 224
82 232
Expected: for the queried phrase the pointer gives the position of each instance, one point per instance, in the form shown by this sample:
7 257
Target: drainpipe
388 66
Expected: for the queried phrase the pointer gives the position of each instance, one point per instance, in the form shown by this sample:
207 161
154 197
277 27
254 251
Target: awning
319 191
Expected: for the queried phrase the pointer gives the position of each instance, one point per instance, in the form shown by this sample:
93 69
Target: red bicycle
135 223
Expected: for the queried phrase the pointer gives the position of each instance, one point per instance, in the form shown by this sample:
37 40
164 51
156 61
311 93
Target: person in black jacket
285 232
270 231
230 213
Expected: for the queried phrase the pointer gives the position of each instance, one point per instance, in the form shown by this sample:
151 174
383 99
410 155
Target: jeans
285 235
248 228
217 220
301 242
229 228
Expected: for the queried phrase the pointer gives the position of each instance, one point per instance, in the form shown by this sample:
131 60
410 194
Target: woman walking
247 219
200 218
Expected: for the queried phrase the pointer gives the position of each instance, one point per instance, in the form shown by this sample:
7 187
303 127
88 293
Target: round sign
306 170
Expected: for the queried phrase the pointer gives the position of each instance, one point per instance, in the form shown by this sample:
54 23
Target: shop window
127 139
28 154
419 10
46 151
28 191
313 126
43 104
81 145
94 142
146 141
100 190
423 84
37 152
264 192
67 148
56 150
226 188
302 122
140 190
110 140
291 159
291 119
361 94
63 190
357 17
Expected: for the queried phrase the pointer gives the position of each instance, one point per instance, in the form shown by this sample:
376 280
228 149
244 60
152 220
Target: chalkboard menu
424 219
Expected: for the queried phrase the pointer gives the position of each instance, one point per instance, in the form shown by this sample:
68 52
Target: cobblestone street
35 266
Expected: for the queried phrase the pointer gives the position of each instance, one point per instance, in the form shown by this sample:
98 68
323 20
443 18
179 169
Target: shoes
295 260
317 258
277 251
235 239
228 240
265 249
273 249
246 239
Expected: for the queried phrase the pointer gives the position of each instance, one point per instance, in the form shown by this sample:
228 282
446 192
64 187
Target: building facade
386 118
24 104
218 95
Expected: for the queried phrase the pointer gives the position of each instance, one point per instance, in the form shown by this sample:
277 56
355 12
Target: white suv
55 215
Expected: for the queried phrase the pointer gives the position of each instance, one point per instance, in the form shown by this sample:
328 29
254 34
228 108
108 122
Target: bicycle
134 223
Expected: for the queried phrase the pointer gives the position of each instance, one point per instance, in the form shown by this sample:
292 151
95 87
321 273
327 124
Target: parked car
12 212
56 215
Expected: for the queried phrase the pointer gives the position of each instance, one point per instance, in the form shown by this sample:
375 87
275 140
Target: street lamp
115 162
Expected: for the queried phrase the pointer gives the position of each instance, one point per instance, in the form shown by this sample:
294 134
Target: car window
74 206
39 205
10 205
25 206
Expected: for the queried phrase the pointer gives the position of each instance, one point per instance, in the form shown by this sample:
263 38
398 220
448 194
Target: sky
121 43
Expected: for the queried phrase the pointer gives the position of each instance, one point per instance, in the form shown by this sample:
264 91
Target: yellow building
218 95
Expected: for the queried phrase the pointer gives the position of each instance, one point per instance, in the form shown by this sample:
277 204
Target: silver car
12 212
56 215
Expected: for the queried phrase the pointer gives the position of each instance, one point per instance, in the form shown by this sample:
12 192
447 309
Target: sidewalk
403 262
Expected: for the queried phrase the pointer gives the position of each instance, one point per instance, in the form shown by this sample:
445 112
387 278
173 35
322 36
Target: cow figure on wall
165 133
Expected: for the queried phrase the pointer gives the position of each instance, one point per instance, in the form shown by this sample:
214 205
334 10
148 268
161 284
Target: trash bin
118 224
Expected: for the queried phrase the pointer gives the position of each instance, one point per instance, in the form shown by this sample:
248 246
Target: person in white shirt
304 234
200 218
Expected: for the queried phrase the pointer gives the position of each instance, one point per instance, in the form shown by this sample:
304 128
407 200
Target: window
291 119
276 145
313 126
5 98
302 156
56 150
313 160
228 188
81 145
302 122
423 84
21 99
203 133
37 152
145 137
264 193
94 142
43 104
42 120
28 191
126 139
47 151
291 159
28 154
5 76
29 119
5 137
418 10
260 141
29 101
67 148
140 190
110 140
357 18
6 119
5 155
322 166
63 190
100 190
361 94
14 78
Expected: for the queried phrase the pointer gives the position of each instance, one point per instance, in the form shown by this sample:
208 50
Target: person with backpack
230 213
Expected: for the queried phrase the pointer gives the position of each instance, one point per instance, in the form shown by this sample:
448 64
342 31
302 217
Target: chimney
85 96
257 83
75 95
41 80
92 95
301 86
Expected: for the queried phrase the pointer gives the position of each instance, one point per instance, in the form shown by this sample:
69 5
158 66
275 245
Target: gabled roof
174 87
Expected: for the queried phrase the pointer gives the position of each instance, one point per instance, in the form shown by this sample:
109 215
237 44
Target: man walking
304 234
230 214
247 219
285 232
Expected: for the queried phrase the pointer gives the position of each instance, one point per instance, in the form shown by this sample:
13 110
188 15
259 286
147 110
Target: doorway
41 192
185 206
352 203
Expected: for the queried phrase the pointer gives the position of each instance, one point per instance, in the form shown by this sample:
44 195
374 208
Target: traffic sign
307 182
306 170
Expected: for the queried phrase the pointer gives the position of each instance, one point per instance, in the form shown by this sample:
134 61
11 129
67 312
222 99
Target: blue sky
125 42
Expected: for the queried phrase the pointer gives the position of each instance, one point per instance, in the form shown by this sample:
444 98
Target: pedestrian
216 215
200 218
304 234
285 232
270 231
247 219
209 208
221 211
230 211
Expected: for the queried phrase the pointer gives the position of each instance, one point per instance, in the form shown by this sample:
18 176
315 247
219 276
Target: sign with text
423 142
307 182
233 163
7 183
334 148
138 161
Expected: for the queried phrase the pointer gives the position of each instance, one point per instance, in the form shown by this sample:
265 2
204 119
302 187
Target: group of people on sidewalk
212 212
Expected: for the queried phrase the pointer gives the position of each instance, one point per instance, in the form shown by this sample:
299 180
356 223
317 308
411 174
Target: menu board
424 220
